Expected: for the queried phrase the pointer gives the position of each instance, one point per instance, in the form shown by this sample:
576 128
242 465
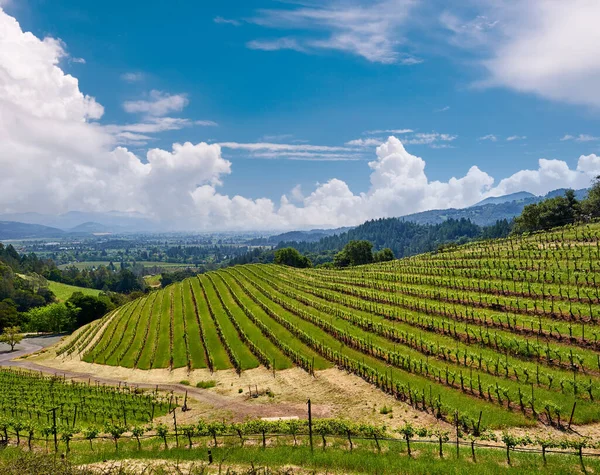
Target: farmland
64 291
503 330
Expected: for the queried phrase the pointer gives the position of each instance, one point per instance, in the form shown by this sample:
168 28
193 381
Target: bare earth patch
333 393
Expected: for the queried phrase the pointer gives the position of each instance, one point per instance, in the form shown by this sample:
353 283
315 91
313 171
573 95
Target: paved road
240 408
28 345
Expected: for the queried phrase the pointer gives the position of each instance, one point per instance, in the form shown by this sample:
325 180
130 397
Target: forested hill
404 238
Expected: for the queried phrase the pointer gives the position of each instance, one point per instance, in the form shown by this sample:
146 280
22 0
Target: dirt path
238 409
333 393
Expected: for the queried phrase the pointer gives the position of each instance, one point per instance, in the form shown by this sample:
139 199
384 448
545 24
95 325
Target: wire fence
216 440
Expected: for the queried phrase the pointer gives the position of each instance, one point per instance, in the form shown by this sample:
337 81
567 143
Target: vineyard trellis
509 327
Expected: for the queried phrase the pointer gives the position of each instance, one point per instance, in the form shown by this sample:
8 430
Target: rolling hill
505 328
15 230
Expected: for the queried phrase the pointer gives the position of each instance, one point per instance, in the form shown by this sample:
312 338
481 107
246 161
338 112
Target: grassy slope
64 291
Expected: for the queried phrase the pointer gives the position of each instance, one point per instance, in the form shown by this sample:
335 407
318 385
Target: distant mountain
93 228
14 230
497 200
313 235
579 194
488 211
113 221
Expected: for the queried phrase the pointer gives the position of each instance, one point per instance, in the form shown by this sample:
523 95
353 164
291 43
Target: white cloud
78 60
132 77
54 158
294 151
278 147
443 109
545 47
550 175
490 137
389 131
276 44
580 138
371 30
512 138
370 142
158 104
132 133
226 21
429 139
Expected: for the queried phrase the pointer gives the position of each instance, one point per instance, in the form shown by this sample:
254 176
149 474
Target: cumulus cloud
490 137
512 138
550 175
158 104
55 157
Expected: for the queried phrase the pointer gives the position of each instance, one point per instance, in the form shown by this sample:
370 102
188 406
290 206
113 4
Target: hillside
15 230
64 291
488 211
469 329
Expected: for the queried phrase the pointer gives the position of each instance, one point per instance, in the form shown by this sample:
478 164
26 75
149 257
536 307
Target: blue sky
328 74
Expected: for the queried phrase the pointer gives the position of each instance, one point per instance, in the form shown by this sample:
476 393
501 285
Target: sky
293 114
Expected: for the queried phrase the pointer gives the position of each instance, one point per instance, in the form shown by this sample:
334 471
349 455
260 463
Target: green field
64 291
506 330
90 264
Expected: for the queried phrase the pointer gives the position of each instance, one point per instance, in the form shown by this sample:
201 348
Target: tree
90 308
289 256
355 253
11 336
9 317
56 317
590 206
550 213
384 255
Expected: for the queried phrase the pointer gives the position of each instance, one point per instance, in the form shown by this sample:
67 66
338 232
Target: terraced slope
507 328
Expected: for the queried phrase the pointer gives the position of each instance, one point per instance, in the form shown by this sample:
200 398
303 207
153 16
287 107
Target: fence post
54 429
456 422
310 425
572 414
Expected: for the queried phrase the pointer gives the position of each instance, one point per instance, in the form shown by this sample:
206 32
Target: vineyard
33 400
494 333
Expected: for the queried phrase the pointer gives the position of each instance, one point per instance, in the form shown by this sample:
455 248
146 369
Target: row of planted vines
29 397
506 328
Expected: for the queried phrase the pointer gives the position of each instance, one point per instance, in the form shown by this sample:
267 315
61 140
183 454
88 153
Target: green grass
336 458
64 291
250 329
152 280
145 359
206 384
243 353
214 346
162 356
197 353
180 357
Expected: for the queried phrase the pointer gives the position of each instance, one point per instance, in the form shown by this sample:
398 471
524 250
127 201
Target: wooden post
572 414
456 422
310 425
175 424
54 429
479 422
